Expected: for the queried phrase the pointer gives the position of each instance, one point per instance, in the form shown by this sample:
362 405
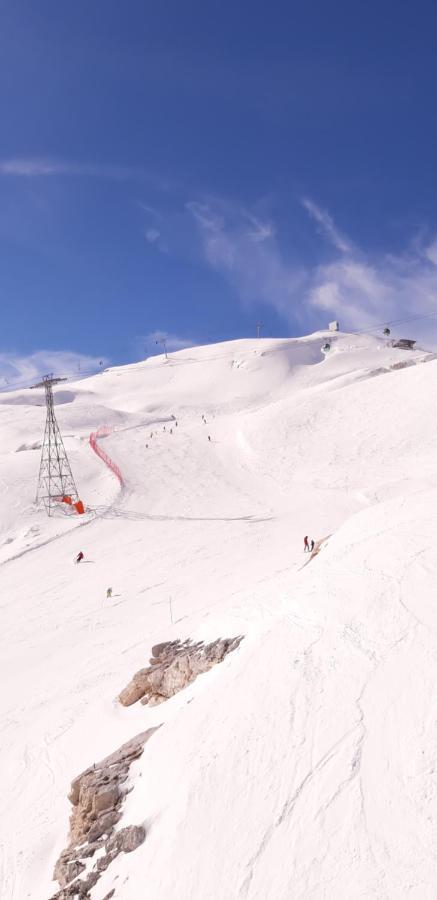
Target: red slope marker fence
104 431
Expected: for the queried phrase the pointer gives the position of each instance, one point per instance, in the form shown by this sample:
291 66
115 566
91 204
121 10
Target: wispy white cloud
28 168
327 226
260 230
40 168
366 290
246 251
20 370
150 210
362 290
365 293
430 252
152 235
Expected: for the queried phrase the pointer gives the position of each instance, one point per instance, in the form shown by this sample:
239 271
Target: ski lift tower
163 341
55 483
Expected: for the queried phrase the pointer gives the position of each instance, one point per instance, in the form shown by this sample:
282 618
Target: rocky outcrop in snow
97 796
173 665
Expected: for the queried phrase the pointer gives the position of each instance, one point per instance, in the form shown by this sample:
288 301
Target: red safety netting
104 431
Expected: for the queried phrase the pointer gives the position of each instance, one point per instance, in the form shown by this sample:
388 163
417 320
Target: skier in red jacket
79 557
306 545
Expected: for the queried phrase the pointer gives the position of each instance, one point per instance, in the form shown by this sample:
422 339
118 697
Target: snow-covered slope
304 765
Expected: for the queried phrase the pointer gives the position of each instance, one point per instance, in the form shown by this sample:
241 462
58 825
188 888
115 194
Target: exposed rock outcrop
97 793
173 665
97 796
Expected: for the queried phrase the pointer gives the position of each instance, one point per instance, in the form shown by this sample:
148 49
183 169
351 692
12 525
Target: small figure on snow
171 430
108 593
209 437
79 557
311 546
306 545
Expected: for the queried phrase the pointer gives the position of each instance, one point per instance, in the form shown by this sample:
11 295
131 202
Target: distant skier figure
311 546
209 437
79 557
171 430
108 593
306 545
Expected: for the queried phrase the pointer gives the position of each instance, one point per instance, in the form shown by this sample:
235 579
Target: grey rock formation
127 839
96 797
97 794
173 665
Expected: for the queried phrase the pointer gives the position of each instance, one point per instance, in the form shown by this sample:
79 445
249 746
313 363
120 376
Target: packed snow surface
305 765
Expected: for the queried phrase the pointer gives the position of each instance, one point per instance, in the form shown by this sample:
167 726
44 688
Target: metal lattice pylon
55 480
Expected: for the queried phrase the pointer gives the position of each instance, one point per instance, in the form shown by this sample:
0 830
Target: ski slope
304 765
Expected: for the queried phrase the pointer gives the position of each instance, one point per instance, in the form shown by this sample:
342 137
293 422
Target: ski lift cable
75 376
394 322
16 385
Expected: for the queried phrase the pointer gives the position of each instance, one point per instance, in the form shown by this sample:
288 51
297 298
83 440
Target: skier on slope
311 546
79 557
306 545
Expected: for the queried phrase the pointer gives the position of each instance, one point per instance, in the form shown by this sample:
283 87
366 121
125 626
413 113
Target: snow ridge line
104 431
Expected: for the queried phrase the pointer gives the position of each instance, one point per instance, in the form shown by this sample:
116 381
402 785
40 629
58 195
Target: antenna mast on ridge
55 481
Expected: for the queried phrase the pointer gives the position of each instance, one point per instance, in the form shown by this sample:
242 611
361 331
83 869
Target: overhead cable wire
16 385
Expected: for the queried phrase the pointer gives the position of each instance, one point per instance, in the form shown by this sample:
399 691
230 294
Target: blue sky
194 168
